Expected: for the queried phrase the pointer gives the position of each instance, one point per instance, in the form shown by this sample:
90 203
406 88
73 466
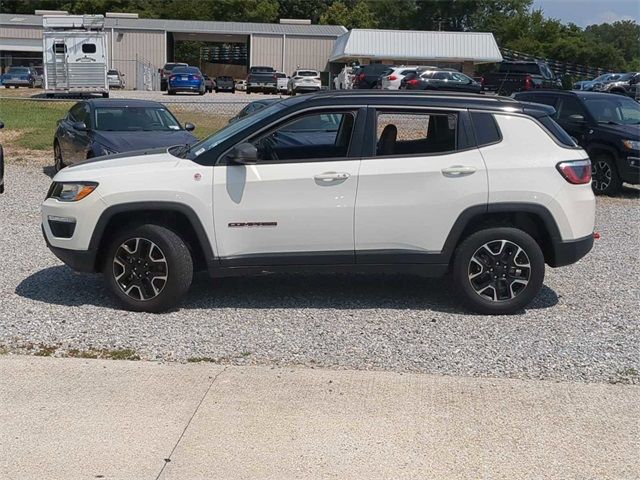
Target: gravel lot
584 326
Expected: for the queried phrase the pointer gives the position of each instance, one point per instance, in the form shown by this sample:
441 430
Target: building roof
411 45
193 26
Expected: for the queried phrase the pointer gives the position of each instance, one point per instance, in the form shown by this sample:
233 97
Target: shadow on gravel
49 170
59 285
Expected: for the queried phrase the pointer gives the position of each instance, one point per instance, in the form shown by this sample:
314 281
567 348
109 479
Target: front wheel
148 268
498 271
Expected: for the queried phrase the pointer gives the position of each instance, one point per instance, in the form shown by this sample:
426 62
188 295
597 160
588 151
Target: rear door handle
458 171
331 176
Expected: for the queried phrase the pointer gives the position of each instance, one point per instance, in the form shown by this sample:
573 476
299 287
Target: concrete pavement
77 419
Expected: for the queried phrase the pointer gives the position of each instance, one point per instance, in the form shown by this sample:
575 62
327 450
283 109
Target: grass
106 354
31 124
35 121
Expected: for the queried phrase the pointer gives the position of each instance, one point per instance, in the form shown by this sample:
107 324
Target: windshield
112 72
616 110
171 66
18 70
307 73
233 128
129 119
626 76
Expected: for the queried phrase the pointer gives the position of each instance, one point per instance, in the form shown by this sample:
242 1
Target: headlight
71 192
631 144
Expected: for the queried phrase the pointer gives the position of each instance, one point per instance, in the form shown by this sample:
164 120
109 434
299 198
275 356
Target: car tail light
361 77
413 81
577 172
172 77
482 81
528 82
392 77
197 77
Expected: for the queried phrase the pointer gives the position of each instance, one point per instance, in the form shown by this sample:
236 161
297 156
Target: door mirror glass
244 154
81 126
189 127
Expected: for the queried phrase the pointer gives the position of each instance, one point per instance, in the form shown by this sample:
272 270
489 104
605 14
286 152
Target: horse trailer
74 54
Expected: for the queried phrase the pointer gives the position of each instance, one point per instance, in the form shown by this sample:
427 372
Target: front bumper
570 251
78 260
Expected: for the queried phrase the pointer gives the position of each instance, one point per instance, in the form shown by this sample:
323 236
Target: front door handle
458 171
331 176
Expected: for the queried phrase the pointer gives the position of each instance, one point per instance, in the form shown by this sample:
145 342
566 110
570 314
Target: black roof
420 98
581 94
125 102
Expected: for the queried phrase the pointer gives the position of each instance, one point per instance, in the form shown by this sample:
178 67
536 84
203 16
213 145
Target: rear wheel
148 268
248 92
605 178
171 92
498 270
105 94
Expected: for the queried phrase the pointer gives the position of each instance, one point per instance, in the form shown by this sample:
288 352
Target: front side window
570 109
415 133
325 135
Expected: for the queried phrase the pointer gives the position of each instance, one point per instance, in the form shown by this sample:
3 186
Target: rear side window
485 128
415 133
88 48
557 131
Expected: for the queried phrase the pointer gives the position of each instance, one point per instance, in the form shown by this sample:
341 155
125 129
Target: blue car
186 79
97 127
19 77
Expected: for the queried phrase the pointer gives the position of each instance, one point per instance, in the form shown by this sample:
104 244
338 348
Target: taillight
413 81
528 82
577 172
197 77
482 81
392 77
172 77
275 78
361 77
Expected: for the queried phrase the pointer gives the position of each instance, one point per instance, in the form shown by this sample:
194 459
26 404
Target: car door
296 204
419 176
81 140
572 116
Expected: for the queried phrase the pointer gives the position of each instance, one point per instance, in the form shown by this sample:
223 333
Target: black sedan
441 80
97 127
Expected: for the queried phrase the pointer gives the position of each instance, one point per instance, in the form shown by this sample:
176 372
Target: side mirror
189 127
80 126
244 154
577 118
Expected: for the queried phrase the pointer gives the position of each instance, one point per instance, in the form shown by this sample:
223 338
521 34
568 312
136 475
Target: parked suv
371 181
302 81
368 76
520 75
607 126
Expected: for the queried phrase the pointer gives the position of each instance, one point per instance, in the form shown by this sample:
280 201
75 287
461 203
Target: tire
201 93
511 249
58 162
248 91
171 92
105 94
233 91
141 247
604 172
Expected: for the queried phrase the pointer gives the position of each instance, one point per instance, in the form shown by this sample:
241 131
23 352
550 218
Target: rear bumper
629 169
570 251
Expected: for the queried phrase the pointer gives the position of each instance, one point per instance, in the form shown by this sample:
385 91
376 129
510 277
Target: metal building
149 43
459 50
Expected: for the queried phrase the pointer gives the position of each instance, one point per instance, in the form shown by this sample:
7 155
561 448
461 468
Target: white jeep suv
486 188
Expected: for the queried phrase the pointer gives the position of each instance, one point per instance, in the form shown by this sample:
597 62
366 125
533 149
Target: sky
588 12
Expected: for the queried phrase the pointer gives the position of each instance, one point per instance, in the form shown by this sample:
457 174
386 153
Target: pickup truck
262 79
519 76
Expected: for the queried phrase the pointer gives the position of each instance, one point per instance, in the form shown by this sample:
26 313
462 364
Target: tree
351 15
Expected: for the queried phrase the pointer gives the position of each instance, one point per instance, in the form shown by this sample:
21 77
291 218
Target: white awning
412 45
21 44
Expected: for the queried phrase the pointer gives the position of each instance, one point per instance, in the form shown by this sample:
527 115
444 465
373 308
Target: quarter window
486 128
323 135
405 133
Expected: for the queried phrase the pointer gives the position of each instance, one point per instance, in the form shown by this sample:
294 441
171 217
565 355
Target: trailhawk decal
252 224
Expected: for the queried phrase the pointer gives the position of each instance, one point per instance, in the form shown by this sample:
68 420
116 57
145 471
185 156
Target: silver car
115 78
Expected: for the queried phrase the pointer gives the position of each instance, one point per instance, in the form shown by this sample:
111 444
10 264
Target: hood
131 141
141 160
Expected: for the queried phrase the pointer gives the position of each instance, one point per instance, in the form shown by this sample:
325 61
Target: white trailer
74 50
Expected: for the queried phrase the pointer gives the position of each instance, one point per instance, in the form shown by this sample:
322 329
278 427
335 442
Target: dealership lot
584 326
